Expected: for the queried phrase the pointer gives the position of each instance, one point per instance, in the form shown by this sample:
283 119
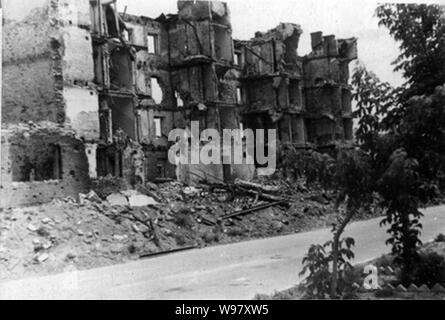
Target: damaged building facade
89 92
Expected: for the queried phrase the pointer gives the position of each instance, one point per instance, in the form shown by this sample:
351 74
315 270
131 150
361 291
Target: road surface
234 271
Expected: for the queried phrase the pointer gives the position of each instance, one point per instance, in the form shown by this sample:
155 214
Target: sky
343 18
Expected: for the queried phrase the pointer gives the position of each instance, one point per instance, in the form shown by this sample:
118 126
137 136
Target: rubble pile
119 226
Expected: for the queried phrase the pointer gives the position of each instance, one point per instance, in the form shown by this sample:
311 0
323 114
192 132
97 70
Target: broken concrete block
129 193
117 199
41 258
89 197
47 245
92 196
82 198
141 201
33 228
118 237
151 186
46 220
202 107
191 191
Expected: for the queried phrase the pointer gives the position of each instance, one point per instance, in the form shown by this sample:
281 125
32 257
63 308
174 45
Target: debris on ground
113 225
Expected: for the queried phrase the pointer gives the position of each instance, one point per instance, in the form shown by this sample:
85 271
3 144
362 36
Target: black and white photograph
209 152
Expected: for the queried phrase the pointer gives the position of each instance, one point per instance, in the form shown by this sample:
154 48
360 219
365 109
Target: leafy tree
399 186
317 264
408 158
402 134
351 182
420 32
422 133
376 108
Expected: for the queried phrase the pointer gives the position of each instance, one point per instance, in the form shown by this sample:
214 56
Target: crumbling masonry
88 92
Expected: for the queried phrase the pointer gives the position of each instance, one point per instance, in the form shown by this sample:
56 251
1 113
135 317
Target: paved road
235 271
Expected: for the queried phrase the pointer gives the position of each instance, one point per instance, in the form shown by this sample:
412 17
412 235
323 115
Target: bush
429 270
317 262
440 238
313 166
386 260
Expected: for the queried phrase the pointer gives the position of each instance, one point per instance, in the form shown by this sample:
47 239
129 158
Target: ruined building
89 92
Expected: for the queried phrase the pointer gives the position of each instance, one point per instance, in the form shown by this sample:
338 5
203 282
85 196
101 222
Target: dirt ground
88 233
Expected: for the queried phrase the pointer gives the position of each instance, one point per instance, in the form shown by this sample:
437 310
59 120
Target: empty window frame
238 59
294 93
36 162
127 34
121 69
179 101
241 128
143 126
157 121
348 129
239 95
111 19
161 167
105 125
156 90
109 162
152 43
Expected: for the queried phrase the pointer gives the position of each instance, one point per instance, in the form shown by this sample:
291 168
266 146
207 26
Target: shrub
317 262
313 166
440 238
429 270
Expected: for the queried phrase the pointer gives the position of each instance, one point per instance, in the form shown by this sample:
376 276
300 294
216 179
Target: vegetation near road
400 162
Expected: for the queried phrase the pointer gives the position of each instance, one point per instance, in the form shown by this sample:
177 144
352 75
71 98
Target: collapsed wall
203 79
41 162
307 100
117 84
328 94
49 104
272 81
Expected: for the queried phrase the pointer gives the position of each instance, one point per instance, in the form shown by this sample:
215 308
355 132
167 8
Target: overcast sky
344 18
